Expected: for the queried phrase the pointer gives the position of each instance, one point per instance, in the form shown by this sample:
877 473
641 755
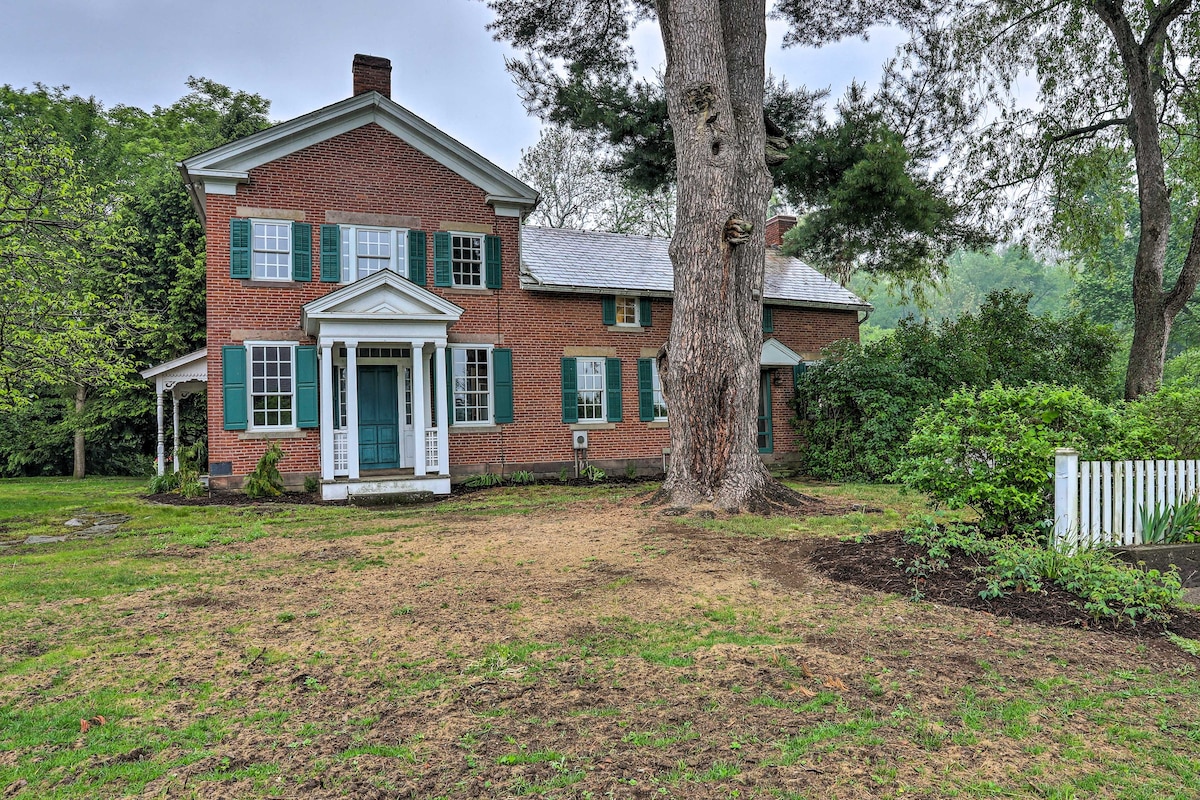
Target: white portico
383 394
179 377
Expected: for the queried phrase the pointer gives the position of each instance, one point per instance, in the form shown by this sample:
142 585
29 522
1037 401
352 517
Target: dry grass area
548 643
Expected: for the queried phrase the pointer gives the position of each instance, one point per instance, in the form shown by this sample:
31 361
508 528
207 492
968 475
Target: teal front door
378 418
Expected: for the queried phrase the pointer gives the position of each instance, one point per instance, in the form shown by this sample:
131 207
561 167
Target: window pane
271 386
466 254
472 387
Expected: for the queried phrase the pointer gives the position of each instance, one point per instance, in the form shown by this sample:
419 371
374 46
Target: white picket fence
1099 503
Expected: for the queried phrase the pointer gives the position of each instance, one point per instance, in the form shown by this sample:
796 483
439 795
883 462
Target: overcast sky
445 66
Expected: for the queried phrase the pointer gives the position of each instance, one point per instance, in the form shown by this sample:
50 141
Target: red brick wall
368 170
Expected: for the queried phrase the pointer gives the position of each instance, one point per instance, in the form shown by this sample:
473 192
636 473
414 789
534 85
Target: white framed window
272 384
472 373
366 251
271 250
589 377
627 310
660 402
466 259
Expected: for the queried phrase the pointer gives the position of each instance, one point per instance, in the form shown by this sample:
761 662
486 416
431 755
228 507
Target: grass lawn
544 641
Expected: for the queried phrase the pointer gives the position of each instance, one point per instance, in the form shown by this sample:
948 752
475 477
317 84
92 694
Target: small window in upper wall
466 260
366 251
627 310
272 251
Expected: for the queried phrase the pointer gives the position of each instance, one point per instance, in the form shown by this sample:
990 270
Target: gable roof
379 297
222 168
565 260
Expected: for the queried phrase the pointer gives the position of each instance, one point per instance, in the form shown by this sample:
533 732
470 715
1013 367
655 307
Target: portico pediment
380 298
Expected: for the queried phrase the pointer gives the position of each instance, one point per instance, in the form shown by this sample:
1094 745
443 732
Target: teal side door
378 418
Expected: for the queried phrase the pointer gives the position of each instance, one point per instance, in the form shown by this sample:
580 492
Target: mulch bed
217 498
880 564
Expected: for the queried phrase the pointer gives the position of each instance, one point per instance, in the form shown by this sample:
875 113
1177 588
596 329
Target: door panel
378 418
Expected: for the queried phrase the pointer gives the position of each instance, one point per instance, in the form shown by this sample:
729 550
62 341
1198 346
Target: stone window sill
626 329
462 428
594 426
289 434
658 424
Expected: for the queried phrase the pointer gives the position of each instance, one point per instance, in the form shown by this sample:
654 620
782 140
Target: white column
162 450
175 428
443 429
419 405
352 407
328 410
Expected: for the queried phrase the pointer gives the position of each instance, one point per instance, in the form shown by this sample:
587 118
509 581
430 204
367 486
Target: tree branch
1156 29
1086 129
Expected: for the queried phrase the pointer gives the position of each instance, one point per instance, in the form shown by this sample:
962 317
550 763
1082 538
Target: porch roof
383 298
179 372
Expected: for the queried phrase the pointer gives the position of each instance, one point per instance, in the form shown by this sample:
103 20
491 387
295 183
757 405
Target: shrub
161 484
1173 415
190 460
265 480
312 484
856 409
993 450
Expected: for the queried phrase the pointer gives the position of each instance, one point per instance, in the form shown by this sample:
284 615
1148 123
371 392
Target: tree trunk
710 369
1154 310
80 400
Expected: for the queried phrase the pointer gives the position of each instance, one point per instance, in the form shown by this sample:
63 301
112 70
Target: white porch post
162 450
352 407
175 427
328 410
419 406
443 428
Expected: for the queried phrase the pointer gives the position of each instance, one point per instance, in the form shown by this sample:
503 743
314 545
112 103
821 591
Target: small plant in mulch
265 480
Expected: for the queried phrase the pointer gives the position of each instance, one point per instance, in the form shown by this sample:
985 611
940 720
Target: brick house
376 306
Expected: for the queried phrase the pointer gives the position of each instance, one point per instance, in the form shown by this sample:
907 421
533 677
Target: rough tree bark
1154 310
714 80
80 461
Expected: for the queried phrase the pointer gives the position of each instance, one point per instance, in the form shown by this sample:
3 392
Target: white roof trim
323 308
777 354
233 160
181 363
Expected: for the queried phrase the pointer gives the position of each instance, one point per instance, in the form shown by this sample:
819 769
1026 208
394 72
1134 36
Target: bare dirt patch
604 650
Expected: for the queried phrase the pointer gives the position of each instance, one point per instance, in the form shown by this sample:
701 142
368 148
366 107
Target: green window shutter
233 386
331 254
644 312
301 251
239 248
797 371
646 389
416 257
570 395
491 262
768 319
608 309
612 388
441 259
502 372
306 387
449 386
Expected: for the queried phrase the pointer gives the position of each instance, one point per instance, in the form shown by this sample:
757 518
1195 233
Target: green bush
1173 415
312 484
1170 524
265 480
993 449
856 409
161 484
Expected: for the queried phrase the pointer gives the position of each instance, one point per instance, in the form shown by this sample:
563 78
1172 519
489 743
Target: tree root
771 498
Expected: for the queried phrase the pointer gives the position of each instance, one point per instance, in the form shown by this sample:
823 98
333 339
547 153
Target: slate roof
561 259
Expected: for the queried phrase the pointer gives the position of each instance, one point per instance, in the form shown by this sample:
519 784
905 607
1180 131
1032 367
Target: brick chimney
372 74
777 226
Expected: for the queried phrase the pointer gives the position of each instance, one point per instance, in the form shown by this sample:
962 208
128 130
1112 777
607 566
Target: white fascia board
175 363
532 284
382 331
346 115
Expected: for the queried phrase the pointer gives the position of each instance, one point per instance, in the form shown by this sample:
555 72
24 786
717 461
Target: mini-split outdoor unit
579 440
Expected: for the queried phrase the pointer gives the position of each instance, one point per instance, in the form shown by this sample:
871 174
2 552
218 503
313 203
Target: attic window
627 310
